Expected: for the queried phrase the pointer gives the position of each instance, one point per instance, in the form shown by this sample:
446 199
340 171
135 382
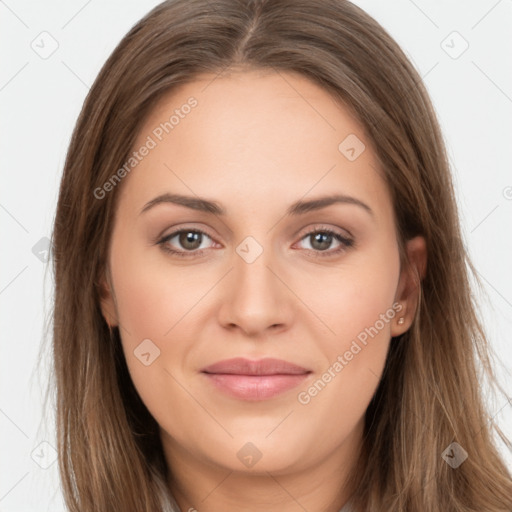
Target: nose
255 297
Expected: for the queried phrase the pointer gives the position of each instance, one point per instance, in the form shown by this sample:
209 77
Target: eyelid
345 242
345 233
174 230
161 240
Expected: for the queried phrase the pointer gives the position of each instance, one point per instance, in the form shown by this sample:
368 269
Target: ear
107 300
407 293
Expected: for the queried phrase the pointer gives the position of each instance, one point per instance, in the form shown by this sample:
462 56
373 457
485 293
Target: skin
257 142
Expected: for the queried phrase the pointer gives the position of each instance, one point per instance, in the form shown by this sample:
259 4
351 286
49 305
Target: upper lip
266 366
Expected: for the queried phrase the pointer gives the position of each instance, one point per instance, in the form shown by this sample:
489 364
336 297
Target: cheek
154 298
153 302
145 305
152 308
353 299
358 305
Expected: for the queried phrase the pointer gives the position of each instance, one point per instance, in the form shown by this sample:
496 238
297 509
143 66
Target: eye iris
192 237
324 240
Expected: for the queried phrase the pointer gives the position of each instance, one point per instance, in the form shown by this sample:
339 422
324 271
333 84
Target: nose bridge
254 282
256 298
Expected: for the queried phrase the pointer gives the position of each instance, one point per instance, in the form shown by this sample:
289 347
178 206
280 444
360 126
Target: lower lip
255 387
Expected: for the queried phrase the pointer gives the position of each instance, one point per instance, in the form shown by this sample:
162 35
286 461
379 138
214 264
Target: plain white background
463 52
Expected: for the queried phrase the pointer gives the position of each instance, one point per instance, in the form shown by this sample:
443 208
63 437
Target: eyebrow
298 208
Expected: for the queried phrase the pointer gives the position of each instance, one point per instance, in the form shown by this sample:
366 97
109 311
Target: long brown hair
430 395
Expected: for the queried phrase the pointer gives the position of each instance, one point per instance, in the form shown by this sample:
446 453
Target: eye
321 239
190 241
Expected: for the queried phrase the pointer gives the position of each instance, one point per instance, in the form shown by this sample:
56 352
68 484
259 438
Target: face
251 263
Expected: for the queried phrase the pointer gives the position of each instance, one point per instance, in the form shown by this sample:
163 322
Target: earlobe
107 302
409 285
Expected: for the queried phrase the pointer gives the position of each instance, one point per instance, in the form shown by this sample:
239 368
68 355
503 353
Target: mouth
255 380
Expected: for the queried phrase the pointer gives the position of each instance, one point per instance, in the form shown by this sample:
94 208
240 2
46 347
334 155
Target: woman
250 371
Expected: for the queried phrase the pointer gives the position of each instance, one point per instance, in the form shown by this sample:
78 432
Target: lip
246 379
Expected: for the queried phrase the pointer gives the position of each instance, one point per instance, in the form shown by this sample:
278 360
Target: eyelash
344 241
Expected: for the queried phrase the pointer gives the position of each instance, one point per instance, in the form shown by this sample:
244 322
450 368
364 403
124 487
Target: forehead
250 134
